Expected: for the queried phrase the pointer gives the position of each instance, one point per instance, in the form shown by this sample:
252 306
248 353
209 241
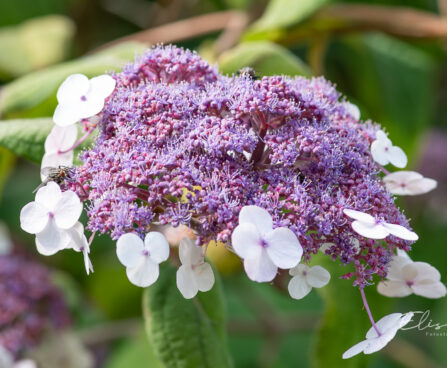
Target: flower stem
82 139
365 303
259 149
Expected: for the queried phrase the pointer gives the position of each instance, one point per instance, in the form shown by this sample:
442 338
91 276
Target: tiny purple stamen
83 98
145 252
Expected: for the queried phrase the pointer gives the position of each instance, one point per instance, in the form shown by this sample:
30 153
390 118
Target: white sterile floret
406 277
81 98
263 248
352 110
408 183
387 326
59 140
305 278
383 151
142 259
50 216
194 274
79 243
369 227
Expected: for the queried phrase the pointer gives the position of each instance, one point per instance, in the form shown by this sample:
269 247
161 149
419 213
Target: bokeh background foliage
386 56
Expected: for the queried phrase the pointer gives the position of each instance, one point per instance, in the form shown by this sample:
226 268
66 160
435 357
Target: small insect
248 72
57 174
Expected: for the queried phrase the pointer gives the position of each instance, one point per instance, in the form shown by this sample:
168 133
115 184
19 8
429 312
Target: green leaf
394 81
186 333
135 353
7 161
25 137
34 44
281 14
34 94
264 57
345 322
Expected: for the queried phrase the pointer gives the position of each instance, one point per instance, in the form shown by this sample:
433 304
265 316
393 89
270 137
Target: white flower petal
145 273
381 136
6 358
52 239
379 151
393 289
360 216
246 241
102 86
356 349
61 138
298 287
298 269
425 271
25 363
260 268
186 282
91 106
371 231
317 276
204 276
73 88
387 323
66 115
33 217
49 195
396 265
402 253
379 343
429 289
400 232
157 245
398 182
283 248
68 210
129 249
352 110
78 241
397 157
421 186
257 216
189 252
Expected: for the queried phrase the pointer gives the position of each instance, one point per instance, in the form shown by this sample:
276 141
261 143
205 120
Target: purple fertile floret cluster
30 304
181 144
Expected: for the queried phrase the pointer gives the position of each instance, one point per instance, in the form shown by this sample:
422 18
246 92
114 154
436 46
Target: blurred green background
386 56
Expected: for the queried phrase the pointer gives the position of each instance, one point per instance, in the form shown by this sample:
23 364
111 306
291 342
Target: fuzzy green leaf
34 44
264 57
281 14
25 137
186 333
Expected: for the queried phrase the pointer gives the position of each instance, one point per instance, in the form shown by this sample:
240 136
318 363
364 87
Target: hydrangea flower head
175 127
